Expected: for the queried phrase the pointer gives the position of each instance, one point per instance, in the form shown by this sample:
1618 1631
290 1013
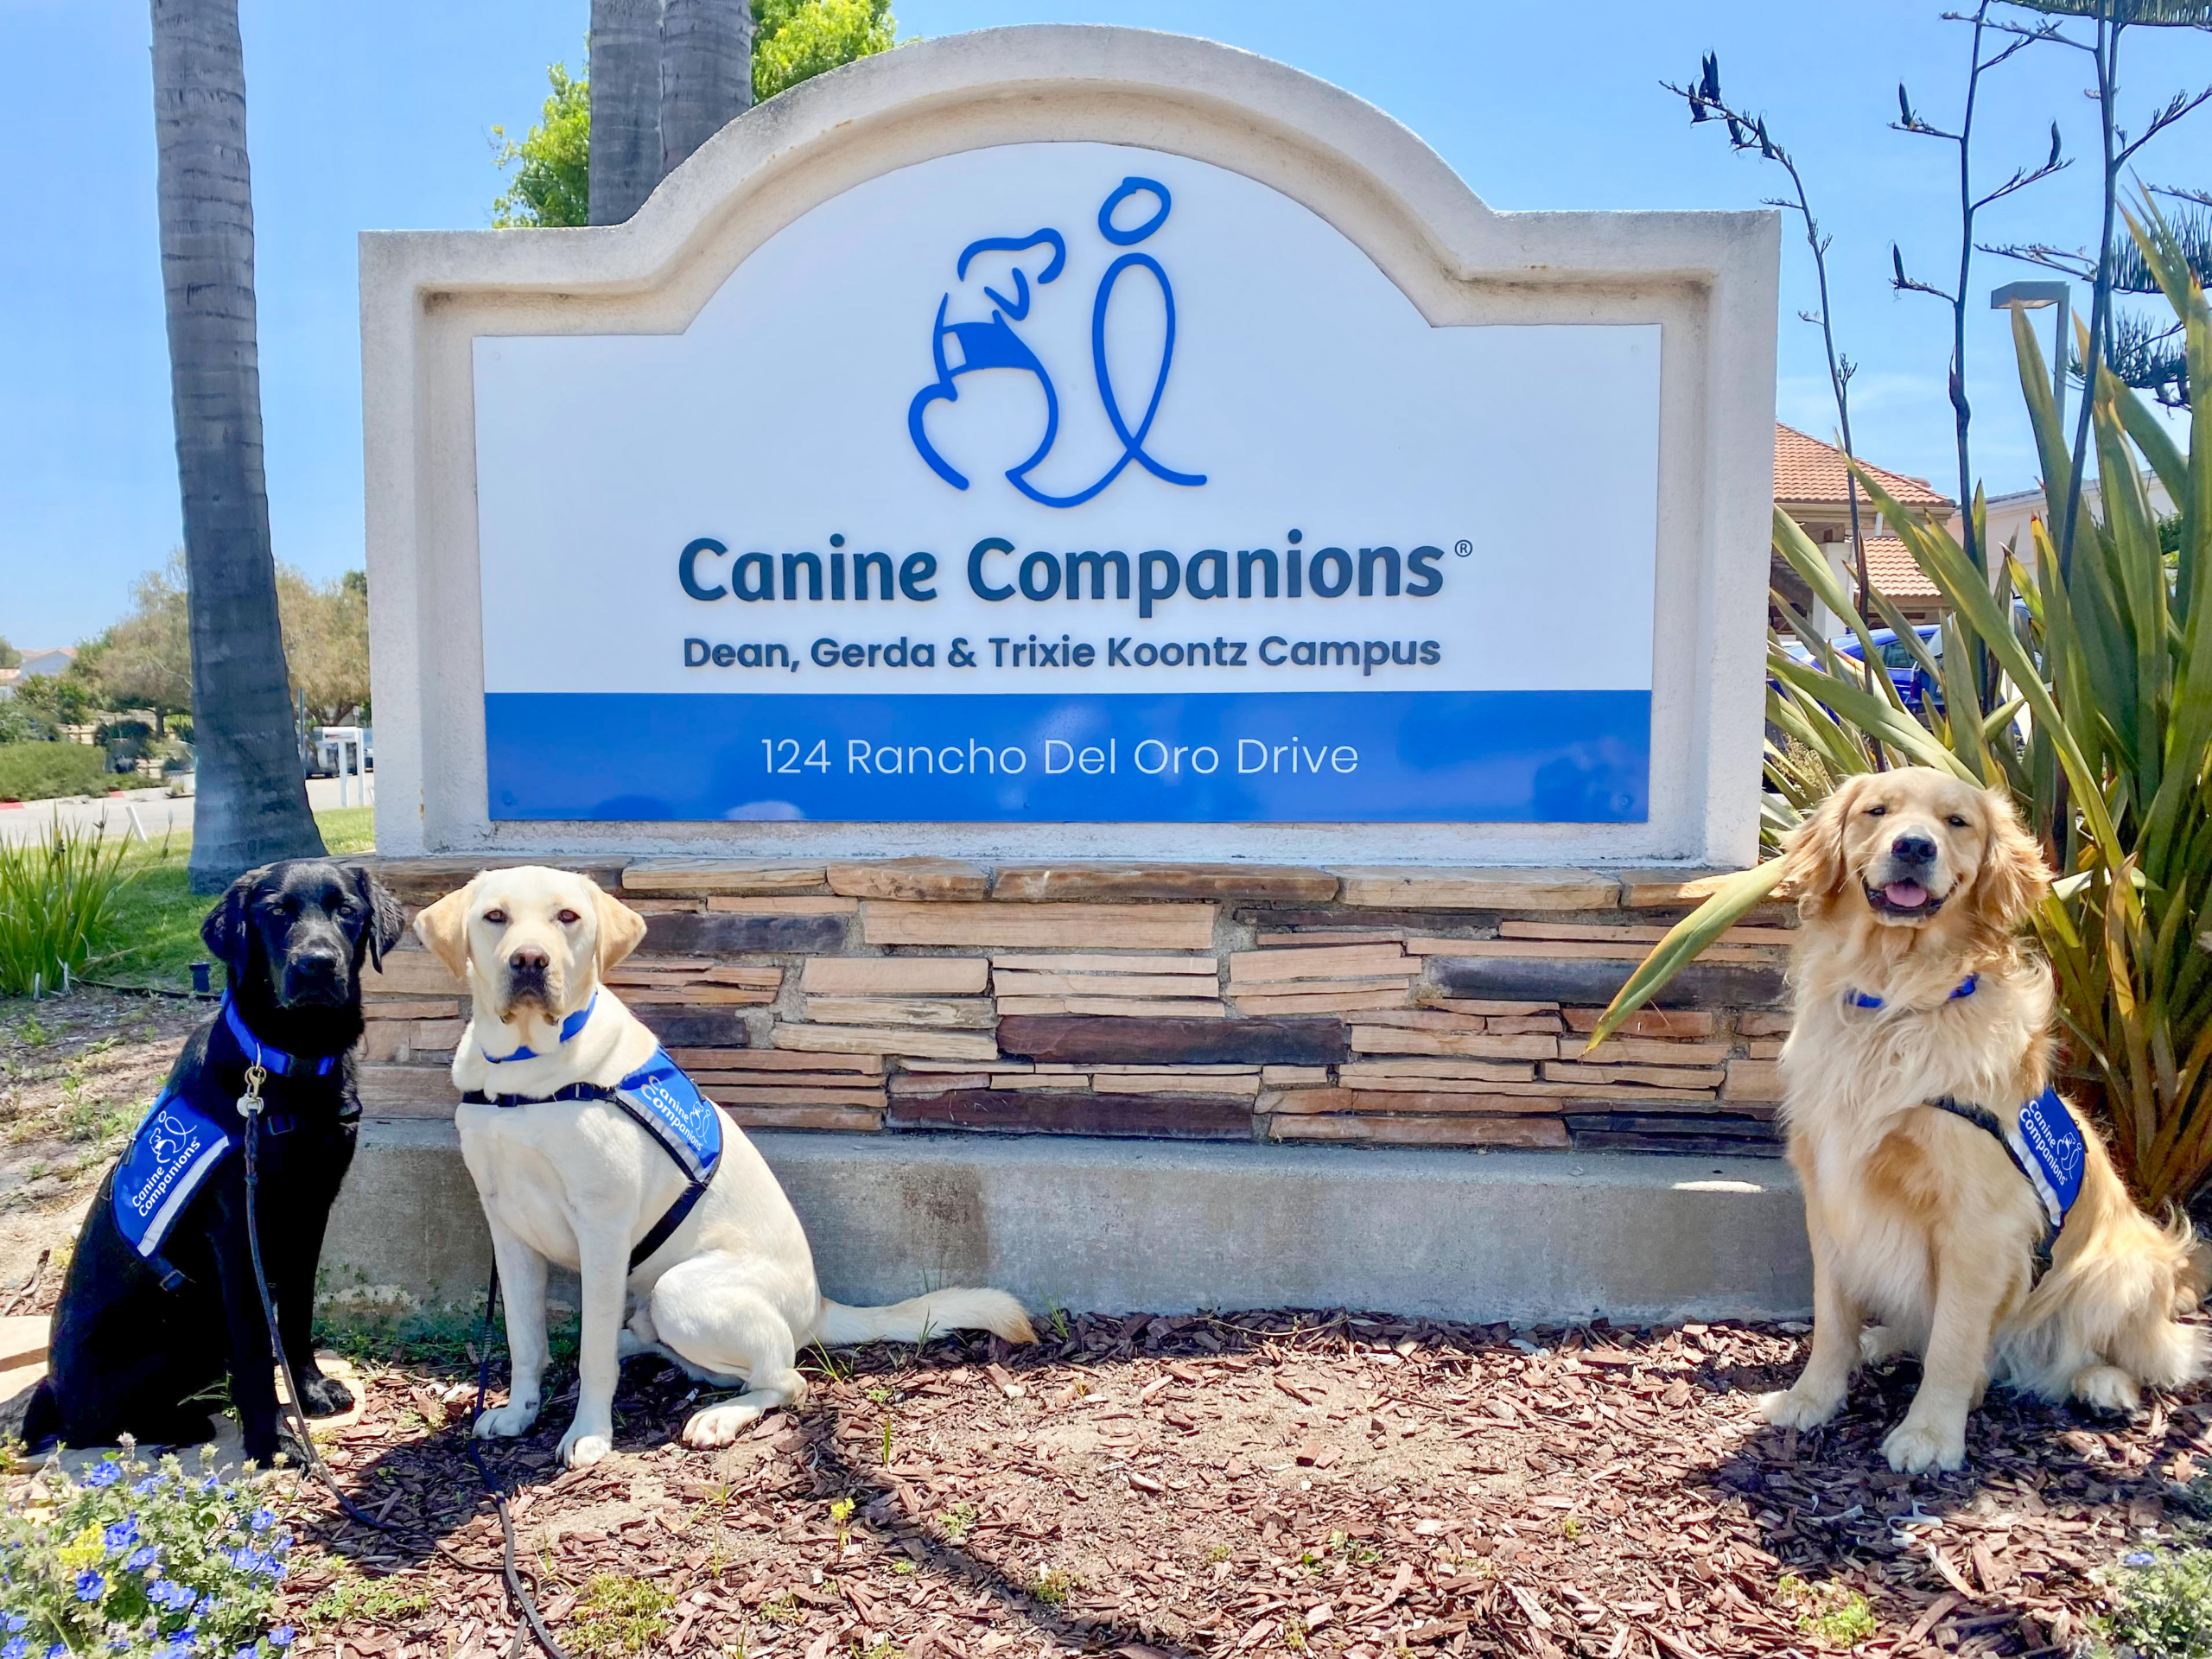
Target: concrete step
1097 1224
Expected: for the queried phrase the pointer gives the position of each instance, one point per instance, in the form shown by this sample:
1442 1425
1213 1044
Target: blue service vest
172 1153
667 1105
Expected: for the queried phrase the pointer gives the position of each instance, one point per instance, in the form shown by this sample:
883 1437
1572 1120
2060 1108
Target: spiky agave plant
2096 717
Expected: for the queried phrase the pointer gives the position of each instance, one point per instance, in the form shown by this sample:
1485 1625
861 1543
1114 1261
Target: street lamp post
2033 296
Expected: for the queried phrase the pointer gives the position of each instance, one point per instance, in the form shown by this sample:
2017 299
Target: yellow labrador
1934 1163
594 1180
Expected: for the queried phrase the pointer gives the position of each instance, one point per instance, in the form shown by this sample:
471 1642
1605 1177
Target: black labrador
160 1302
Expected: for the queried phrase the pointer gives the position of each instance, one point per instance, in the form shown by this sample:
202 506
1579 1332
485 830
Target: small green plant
882 1648
1217 1553
58 907
1357 1551
1833 1613
886 1442
1053 1585
2162 1606
1570 1526
351 1596
129 1557
956 1523
841 1514
883 1396
783 1610
902 1569
1293 1633
617 1616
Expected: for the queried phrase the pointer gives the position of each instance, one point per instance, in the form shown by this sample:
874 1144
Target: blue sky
379 115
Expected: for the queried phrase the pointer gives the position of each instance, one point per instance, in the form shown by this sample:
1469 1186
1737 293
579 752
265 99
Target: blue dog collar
570 1027
268 1059
1865 1000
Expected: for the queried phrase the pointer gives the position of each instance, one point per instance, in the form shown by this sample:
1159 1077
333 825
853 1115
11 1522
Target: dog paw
720 1424
2106 1387
578 1449
1790 1408
504 1423
1914 1448
1878 1342
325 1396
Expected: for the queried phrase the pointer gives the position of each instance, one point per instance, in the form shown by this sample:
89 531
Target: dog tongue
1905 895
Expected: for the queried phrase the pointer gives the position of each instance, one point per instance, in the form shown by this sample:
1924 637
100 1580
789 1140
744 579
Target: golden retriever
713 1273
1913 985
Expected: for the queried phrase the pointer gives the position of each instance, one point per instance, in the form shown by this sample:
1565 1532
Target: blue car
1916 687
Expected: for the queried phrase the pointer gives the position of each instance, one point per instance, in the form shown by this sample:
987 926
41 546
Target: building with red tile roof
1809 485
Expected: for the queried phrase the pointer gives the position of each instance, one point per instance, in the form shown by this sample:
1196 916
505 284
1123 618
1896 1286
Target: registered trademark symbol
1463 548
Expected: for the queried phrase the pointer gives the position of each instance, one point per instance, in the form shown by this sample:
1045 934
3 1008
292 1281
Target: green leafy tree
796 40
793 40
145 660
551 184
9 657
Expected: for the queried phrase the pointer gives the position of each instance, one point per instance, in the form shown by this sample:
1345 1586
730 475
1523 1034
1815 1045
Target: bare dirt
76 1073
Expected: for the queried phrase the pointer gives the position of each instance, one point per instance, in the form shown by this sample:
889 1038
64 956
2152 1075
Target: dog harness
667 1105
176 1147
2048 1150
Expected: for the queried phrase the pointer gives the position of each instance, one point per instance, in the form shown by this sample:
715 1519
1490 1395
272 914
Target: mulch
1258 1483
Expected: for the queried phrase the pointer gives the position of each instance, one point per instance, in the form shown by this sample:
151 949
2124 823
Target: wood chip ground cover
1256 1484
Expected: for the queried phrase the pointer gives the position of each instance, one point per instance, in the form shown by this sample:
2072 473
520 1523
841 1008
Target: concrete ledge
1109 1225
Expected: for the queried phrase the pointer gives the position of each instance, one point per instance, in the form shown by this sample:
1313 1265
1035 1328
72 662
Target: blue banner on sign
1374 757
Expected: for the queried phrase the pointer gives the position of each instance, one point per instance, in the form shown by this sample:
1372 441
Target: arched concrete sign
1060 427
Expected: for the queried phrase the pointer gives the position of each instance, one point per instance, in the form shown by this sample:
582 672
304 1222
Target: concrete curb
1114 1225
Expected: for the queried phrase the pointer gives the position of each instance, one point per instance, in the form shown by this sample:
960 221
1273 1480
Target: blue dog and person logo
995 342
172 1153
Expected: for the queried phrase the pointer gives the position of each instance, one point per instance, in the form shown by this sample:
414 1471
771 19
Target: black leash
251 1108
519 1596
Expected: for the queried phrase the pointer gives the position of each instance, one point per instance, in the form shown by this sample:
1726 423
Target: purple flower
143 1557
261 1520
58 1650
121 1534
281 1636
17 1621
207 1606
2139 1558
145 1487
91 1586
16 1647
105 1473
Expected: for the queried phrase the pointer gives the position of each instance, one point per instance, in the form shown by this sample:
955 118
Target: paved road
155 812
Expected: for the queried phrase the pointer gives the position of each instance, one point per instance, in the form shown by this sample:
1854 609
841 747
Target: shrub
144 1563
39 772
2085 693
2162 1606
60 901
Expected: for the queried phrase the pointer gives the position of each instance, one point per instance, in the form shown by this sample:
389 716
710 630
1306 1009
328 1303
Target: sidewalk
157 813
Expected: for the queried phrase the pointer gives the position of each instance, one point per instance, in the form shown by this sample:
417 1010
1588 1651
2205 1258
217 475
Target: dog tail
920 1317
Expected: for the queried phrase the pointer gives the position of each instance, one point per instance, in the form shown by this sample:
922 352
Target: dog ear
622 930
387 917
2013 877
1814 859
228 936
443 929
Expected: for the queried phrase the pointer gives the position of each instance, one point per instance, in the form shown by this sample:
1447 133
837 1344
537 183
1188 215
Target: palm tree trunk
252 803
625 136
706 80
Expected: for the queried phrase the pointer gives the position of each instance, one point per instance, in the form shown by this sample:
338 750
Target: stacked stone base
1391 1005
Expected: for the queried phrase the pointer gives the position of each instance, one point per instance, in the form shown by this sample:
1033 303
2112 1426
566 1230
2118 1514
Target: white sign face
1069 482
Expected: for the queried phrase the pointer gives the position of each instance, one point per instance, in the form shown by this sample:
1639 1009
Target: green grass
2162 1608
58 904
617 1616
155 938
353 1597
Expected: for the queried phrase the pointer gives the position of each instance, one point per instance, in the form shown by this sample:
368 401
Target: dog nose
528 959
1914 848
